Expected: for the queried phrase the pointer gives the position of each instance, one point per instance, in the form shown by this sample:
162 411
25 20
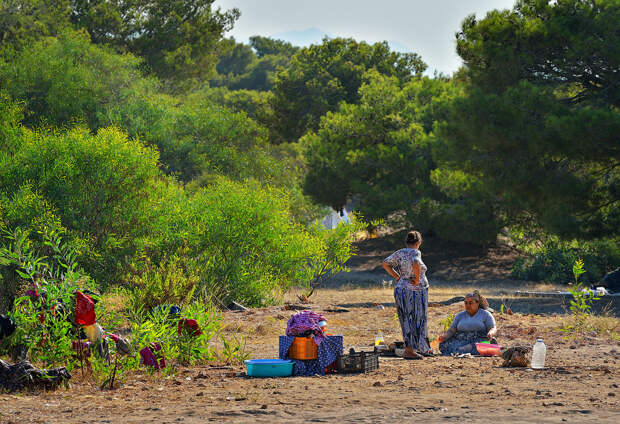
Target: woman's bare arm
390 270
492 332
448 334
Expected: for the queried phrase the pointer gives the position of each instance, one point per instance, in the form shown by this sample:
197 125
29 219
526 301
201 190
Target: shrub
67 79
158 326
170 282
99 187
553 261
44 316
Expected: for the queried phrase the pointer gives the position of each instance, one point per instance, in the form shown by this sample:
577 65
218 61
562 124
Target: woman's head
472 303
413 238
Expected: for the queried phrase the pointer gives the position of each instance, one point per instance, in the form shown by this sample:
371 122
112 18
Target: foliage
255 104
446 322
106 374
25 21
265 46
582 299
381 151
580 307
240 68
553 259
234 350
196 138
158 326
242 235
108 193
336 248
67 79
537 122
320 77
178 40
236 59
11 115
344 155
44 316
171 282
98 186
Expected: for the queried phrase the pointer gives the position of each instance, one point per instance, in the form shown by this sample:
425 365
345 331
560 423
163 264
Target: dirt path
580 383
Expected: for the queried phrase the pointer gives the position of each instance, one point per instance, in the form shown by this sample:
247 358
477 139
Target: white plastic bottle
538 355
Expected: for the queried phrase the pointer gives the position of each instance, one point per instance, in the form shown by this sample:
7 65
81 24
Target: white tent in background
332 220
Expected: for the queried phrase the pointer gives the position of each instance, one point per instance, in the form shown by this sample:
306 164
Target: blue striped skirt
412 308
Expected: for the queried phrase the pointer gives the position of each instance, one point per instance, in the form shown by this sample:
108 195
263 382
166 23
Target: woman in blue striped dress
411 295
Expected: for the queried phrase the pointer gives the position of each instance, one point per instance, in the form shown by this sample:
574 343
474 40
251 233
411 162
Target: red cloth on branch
189 326
84 309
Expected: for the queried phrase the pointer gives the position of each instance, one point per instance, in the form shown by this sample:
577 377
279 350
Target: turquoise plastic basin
269 367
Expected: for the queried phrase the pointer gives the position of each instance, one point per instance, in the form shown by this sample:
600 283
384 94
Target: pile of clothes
306 323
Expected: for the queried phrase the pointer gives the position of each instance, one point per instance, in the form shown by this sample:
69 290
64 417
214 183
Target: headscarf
484 304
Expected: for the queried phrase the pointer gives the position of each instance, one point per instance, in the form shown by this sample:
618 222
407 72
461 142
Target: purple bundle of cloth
305 323
151 356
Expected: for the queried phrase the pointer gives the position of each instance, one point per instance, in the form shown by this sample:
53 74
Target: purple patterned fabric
304 322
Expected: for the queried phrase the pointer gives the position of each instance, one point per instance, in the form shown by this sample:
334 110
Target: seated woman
473 325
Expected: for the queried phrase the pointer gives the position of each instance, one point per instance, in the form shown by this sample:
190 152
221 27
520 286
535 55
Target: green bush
171 282
242 236
44 317
554 261
98 186
157 326
67 79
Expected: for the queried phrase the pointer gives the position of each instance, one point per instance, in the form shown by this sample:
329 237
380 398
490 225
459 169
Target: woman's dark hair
413 237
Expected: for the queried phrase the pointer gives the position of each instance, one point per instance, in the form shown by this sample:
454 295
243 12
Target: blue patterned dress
411 301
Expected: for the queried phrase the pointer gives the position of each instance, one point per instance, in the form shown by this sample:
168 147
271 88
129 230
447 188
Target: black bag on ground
24 375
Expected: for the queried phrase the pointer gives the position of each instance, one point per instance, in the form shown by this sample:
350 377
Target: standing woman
411 295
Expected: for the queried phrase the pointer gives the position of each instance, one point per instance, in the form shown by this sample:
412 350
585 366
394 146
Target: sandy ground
579 384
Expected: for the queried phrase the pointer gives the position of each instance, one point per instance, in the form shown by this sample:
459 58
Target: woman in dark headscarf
411 295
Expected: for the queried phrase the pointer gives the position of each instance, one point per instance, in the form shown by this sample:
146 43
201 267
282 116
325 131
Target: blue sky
426 27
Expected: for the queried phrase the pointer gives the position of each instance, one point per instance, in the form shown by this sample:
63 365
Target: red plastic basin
486 349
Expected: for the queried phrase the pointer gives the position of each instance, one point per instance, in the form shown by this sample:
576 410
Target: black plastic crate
358 362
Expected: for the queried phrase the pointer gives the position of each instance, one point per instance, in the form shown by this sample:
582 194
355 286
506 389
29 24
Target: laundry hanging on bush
84 309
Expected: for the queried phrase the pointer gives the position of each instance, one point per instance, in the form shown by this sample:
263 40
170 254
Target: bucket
269 367
303 348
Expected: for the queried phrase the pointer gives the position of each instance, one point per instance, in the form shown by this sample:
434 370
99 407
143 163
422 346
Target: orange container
303 348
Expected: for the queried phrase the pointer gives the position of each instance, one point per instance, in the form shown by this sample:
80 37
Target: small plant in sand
234 350
580 305
107 374
447 321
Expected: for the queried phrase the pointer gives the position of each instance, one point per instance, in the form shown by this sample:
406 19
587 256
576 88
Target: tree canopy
539 120
177 39
264 46
321 76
